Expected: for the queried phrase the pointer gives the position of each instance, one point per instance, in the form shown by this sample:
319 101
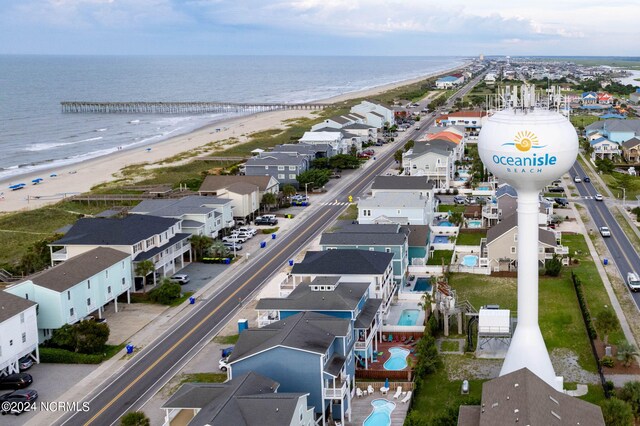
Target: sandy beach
81 177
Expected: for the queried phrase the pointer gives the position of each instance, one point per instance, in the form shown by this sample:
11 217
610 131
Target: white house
604 148
334 139
434 159
449 81
403 208
67 293
376 114
18 332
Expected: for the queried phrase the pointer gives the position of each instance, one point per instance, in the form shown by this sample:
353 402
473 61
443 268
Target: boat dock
180 107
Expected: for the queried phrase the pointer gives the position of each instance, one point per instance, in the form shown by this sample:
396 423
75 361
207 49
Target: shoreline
82 176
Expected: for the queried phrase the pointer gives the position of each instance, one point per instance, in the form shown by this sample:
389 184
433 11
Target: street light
306 195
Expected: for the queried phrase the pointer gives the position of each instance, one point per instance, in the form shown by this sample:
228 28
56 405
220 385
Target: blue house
615 130
329 296
306 352
388 238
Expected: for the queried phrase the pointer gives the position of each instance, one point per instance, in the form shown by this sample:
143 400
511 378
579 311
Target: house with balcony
307 353
403 184
388 238
215 185
284 167
332 138
18 331
376 114
367 132
631 150
449 81
616 130
142 237
200 215
433 159
405 208
604 148
333 297
310 152
470 121
78 287
247 400
499 250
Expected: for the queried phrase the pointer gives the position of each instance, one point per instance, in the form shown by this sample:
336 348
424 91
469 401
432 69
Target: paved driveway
200 274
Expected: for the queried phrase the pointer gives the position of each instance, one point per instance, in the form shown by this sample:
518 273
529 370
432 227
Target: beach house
631 150
250 399
333 297
284 167
200 215
449 81
434 159
376 114
333 138
389 238
408 208
604 148
310 152
142 237
18 331
499 250
81 286
372 267
615 130
470 121
307 353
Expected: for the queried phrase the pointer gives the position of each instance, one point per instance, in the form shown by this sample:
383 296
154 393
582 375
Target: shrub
135 418
63 356
607 361
553 266
166 293
617 412
87 337
591 330
630 393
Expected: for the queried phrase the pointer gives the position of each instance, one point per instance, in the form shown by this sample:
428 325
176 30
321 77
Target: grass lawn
449 346
470 239
227 340
453 208
351 213
583 120
439 256
204 378
616 180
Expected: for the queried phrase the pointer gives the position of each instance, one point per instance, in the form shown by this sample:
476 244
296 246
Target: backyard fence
401 375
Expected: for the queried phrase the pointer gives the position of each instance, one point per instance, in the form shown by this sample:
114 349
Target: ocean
35 134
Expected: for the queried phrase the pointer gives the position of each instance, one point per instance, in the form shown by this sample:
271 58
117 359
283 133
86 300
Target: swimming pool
474 224
398 360
483 188
409 317
470 260
381 413
422 284
440 239
445 223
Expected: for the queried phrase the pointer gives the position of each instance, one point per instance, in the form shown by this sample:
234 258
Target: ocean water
35 134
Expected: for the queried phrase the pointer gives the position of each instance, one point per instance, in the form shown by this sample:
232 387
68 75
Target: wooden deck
361 408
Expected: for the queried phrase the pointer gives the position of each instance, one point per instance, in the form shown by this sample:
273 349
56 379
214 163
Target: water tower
528 144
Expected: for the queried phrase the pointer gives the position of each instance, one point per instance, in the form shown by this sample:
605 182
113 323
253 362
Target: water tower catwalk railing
528 142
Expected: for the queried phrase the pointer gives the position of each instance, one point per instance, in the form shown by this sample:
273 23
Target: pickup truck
234 239
265 221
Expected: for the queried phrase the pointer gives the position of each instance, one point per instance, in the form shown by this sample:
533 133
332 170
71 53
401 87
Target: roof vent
554 400
516 411
556 415
494 405
277 409
516 385
507 397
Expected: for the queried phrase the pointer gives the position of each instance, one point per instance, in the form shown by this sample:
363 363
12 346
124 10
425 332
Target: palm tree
288 190
142 269
626 353
427 300
268 200
217 249
456 218
606 321
200 243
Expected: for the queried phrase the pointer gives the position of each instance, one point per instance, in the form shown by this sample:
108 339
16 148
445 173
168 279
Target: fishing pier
181 107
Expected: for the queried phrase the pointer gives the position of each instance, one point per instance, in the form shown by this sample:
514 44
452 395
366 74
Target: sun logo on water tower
524 141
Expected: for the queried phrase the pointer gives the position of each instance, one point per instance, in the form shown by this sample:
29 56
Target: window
371 249
11 342
122 281
21 317
280 167
68 295
292 168
88 301
515 238
108 289
513 250
26 296
71 312
123 264
46 332
24 337
88 284
106 273
280 175
387 249
292 175
366 212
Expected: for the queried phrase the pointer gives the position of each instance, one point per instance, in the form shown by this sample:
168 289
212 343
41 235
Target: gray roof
364 239
275 159
415 183
335 364
394 200
194 204
506 190
508 223
307 331
364 228
243 188
77 269
180 236
192 224
105 231
521 397
300 148
11 305
616 125
343 262
368 313
339 119
435 146
345 297
631 143
248 400
418 235
354 126
214 183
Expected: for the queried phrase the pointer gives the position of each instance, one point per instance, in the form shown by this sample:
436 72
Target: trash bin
290 262
263 244
273 236
192 300
605 261
227 261
129 348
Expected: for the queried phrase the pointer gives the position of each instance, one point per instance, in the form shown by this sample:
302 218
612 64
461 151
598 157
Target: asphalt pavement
156 364
624 255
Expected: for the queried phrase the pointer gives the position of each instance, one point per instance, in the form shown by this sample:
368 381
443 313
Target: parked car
242 234
25 362
556 189
233 246
604 231
16 381
633 281
19 396
563 202
586 179
181 279
334 176
222 364
598 197
264 221
577 179
252 231
92 318
234 239
459 199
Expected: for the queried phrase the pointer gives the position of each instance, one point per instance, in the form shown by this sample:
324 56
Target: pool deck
361 408
384 347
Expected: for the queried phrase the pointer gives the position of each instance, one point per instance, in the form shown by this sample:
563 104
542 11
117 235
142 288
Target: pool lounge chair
409 340
406 398
415 342
398 392
370 389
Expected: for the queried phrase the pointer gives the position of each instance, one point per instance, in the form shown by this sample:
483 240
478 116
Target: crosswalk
335 203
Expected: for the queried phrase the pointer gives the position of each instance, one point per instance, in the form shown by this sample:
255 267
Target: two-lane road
622 251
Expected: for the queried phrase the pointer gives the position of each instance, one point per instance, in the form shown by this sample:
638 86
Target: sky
321 27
